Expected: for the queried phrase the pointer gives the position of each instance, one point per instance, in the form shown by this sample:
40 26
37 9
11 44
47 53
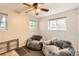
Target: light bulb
37 10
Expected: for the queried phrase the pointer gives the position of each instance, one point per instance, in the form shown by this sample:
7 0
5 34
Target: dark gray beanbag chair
34 43
66 52
64 48
62 44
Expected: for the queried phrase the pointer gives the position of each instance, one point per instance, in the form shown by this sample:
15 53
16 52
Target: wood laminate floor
23 51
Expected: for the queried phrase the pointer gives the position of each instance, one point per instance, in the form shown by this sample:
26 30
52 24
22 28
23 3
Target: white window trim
56 24
2 29
30 27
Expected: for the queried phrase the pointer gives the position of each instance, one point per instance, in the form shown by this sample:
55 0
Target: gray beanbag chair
58 47
34 43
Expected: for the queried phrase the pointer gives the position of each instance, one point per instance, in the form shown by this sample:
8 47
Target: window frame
56 19
34 26
6 22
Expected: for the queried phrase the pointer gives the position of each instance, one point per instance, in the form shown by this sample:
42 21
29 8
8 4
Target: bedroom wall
72 27
78 29
17 26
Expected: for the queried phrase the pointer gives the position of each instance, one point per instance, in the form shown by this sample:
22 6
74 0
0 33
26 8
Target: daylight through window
57 24
3 21
32 24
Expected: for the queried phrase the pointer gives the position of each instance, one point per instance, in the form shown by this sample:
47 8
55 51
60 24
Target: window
57 24
3 21
32 24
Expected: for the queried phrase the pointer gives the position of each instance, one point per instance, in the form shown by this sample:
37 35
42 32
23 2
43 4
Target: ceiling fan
36 7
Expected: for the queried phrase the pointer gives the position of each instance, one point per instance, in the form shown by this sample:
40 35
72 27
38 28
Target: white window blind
57 24
3 21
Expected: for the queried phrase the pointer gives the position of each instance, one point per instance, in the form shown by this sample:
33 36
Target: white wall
78 29
72 27
17 26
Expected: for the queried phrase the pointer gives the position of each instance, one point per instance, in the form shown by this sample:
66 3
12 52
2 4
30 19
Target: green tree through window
32 24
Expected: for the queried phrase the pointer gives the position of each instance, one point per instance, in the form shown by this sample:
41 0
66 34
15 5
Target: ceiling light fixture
36 8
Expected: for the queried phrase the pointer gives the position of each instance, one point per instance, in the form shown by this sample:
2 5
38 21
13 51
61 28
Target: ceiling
53 8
